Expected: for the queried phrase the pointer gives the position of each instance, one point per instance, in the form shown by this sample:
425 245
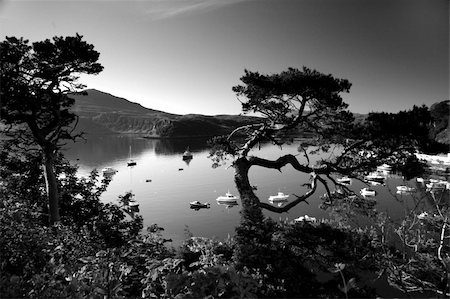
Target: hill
103 113
440 112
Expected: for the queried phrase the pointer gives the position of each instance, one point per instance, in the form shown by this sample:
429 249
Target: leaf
342 289
351 284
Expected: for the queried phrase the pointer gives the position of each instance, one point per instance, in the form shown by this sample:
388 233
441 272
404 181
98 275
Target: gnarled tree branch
292 204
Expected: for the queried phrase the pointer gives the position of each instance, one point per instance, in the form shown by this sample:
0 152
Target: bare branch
244 128
324 183
283 161
441 245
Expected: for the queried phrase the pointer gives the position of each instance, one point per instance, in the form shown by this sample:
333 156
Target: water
174 183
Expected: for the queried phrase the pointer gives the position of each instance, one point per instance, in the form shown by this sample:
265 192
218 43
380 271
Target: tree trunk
251 210
51 186
253 235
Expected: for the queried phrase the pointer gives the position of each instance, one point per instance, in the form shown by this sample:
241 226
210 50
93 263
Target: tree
291 103
302 102
36 81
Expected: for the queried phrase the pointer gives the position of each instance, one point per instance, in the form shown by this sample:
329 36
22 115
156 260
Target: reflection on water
164 184
103 150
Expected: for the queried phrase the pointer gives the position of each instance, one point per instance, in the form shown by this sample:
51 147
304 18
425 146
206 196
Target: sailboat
131 162
187 155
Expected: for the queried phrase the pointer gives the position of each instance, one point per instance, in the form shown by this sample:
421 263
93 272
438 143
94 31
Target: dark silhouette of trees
297 102
36 81
440 113
418 124
292 103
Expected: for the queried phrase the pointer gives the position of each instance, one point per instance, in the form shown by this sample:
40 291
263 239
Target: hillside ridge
103 113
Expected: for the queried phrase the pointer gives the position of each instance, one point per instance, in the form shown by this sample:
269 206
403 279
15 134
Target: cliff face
102 113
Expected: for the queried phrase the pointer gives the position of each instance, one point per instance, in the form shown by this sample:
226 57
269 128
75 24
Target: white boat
435 159
435 186
344 180
228 198
306 218
280 197
425 215
367 192
422 215
384 167
198 205
109 171
131 162
374 176
403 188
187 155
133 204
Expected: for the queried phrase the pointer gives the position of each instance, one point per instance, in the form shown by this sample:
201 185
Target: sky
184 56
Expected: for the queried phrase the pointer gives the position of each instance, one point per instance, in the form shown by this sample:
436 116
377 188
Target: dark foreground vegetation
59 240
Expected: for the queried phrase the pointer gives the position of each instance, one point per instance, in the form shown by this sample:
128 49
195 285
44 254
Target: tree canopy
35 103
308 103
296 102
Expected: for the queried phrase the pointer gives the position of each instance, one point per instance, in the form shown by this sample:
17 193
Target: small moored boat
131 162
109 171
344 180
403 188
306 218
187 155
422 215
436 186
367 192
420 180
384 167
228 198
133 204
198 205
280 197
375 176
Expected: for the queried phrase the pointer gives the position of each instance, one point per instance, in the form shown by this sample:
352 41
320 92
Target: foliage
307 101
98 251
38 260
211 274
21 174
293 259
34 256
440 113
412 125
417 258
36 80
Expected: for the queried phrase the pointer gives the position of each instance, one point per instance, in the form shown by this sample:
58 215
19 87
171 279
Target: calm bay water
174 183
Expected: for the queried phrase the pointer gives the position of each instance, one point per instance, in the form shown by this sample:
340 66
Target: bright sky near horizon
184 56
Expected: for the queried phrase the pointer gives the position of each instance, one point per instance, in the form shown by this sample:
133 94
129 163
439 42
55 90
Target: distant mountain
103 113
